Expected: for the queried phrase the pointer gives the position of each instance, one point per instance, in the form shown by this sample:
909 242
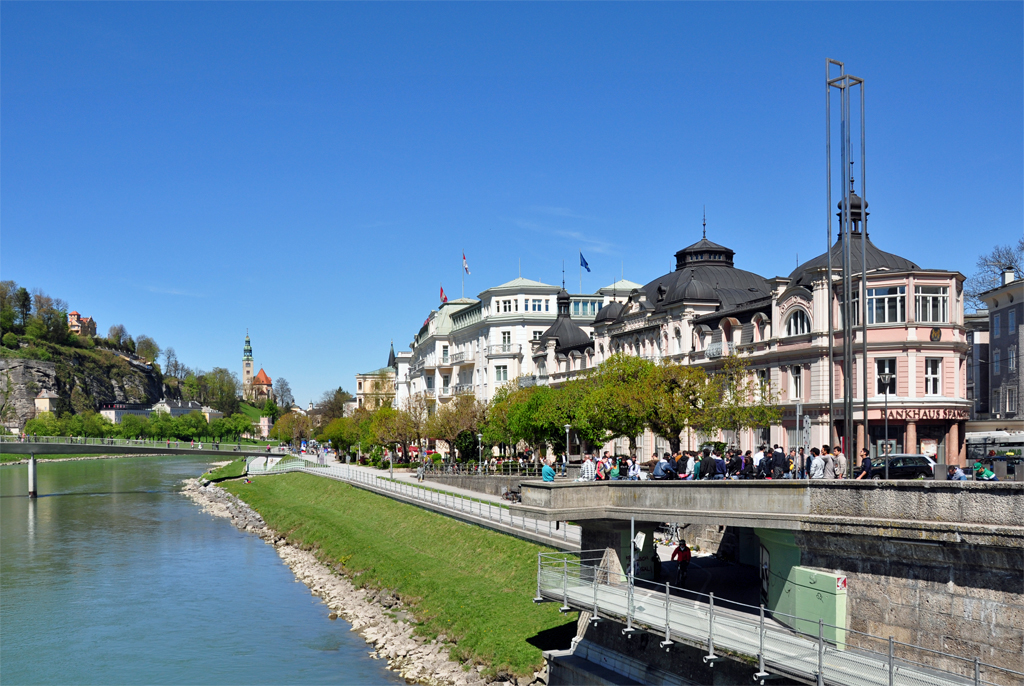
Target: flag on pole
444 298
583 262
465 265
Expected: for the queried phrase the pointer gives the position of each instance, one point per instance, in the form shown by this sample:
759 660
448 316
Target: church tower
247 363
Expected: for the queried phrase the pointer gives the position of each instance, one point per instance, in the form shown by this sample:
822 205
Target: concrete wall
492 485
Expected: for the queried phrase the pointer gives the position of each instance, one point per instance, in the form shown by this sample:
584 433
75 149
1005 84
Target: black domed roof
876 260
609 312
565 332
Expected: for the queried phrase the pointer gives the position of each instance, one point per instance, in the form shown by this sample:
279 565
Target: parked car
902 466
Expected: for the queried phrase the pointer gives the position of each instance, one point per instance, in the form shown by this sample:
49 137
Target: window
593 308
430 383
1011 321
446 381
932 304
359 386
887 305
546 301
501 373
576 307
444 354
1011 358
506 305
996 367
506 338
932 375
886 366
995 326
1011 400
536 305
797 375
995 401
762 378
798 323
515 304
537 335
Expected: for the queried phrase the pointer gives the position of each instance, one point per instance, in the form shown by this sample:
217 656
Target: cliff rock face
84 380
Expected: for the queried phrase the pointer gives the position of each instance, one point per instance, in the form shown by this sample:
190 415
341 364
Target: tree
616 400
462 413
332 404
222 390
990 268
283 392
172 367
116 335
741 401
342 433
270 409
50 321
22 303
133 426
146 348
392 427
681 397
292 427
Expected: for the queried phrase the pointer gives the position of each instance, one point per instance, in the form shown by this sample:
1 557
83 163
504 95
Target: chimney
1008 276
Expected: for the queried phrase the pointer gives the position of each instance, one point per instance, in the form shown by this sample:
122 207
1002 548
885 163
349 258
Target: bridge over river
862 582
67 445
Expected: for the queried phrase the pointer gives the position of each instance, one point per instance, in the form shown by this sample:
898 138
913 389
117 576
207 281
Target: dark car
903 467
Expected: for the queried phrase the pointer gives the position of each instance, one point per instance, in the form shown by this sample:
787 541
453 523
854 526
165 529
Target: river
113 576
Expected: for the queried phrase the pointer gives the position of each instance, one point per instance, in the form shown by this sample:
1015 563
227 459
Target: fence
495 515
594 582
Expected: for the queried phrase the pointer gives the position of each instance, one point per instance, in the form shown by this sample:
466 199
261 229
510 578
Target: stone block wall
961 599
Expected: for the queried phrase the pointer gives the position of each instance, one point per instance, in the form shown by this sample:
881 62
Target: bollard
32 475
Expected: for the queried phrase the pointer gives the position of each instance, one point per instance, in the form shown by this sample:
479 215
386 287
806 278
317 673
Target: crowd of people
711 464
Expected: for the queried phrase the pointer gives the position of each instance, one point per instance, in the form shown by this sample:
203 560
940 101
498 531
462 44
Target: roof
621 286
377 372
609 312
565 332
262 379
73 312
520 282
47 394
877 260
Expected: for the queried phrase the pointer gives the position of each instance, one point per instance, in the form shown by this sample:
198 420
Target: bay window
887 305
932 304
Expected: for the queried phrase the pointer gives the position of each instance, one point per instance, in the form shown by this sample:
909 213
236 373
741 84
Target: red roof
262 379
73 312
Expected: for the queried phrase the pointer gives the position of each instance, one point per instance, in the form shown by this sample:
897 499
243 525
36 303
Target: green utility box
800 595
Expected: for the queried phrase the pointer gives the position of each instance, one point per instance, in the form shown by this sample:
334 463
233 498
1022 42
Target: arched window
798 323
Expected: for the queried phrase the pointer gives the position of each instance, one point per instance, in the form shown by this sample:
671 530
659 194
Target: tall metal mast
846 84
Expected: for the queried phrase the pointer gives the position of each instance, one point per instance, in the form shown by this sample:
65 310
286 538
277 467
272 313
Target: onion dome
568 336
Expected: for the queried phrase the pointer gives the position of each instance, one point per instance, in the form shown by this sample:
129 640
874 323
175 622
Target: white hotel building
475 346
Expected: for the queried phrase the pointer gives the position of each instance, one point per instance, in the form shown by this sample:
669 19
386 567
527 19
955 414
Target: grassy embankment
11 457
232 470
471 584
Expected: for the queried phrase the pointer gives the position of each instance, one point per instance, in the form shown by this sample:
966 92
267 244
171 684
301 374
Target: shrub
10 340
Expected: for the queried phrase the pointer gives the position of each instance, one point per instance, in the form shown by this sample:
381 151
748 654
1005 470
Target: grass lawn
472 584
249 411
229 471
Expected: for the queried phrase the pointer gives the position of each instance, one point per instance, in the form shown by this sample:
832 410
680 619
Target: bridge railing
481 508
226 446
815 650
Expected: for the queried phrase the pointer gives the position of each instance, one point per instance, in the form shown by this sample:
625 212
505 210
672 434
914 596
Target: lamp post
565 464
480 451
886 378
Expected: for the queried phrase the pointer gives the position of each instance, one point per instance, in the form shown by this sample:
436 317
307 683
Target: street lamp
480 451
565 464
886 378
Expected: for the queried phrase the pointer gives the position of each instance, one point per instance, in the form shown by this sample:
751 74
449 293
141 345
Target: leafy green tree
22 304
332 404
742 402
191 426
270 409
162 426
681 397
10 341
133 426
616 400
222 390
116 335
462 413
146 348
45 424
237 425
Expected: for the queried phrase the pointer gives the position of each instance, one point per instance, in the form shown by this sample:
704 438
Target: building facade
977 363
475 346
708 309
1006 339
81 326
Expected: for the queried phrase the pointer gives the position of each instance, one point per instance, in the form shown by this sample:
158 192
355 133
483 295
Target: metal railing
461 357
495 515
226 446
463 388
593 581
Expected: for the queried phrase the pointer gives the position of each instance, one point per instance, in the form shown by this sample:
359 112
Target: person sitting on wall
547 472
954 473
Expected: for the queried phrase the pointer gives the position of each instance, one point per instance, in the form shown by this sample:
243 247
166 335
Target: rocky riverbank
378 615
75 459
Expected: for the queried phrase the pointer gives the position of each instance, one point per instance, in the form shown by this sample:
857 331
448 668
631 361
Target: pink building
707 309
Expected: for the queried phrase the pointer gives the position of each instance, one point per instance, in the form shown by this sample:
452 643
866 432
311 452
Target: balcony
504 350
462 358
716 350
417 366
428 393
463 389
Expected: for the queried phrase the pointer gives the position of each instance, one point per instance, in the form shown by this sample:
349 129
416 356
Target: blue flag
583 262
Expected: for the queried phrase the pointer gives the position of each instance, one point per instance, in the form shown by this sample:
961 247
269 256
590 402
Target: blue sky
313 172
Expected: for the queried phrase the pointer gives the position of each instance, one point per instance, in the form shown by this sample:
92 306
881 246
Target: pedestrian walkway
470 506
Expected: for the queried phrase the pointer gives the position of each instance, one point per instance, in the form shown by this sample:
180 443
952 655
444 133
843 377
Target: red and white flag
465 265
444 298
